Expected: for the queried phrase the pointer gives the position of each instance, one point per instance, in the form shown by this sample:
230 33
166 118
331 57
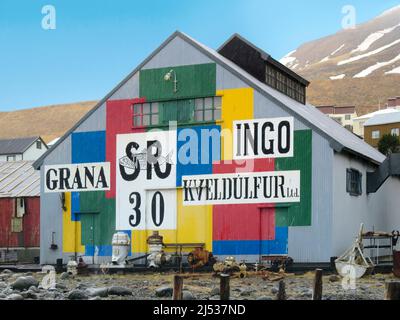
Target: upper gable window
185 111
38 144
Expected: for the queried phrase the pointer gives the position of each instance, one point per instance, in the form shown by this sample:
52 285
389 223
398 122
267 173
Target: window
38 144
183 111
395 132
285 84
376 134
354 182
145 114
207 109
11 158
347 117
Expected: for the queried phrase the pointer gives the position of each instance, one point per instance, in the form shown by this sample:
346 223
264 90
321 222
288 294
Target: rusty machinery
231 266
199 258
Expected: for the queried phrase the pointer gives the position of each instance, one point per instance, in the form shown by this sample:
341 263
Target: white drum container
121 244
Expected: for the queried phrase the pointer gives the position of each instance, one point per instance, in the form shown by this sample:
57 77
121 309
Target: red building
19 212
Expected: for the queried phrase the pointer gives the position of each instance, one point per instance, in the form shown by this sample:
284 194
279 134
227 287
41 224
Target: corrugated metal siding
313 243
18 179
51 212
29 237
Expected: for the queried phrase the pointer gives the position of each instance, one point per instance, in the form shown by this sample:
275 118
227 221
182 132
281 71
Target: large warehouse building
213 147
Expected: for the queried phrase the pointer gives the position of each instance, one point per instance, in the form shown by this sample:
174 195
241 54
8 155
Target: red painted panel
30 236
31 222
118 121
243 222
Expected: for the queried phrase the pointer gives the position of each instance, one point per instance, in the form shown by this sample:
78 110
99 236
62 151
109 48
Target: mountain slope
49 122
359 66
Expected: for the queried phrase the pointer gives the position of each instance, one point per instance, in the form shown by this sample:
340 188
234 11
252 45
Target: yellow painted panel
72 235
237 104
194 225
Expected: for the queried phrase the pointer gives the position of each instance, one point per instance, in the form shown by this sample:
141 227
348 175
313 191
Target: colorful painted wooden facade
151 115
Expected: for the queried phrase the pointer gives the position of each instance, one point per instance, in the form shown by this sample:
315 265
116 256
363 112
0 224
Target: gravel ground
151 286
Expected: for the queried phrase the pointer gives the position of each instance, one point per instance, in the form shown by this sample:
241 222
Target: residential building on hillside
359 122
240 166
28 149
379 125
343 115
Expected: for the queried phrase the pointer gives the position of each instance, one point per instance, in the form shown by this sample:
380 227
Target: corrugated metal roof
372 114
16 146
19 179
387 118
339 137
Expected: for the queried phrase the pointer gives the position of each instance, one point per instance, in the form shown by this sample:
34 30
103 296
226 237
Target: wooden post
282 291
317 288
178 286
224 290
392 291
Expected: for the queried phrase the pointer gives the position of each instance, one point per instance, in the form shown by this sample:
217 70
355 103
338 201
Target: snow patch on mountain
372 38
375 67
338 77
288 59
365 55
338 49
389 11
394 71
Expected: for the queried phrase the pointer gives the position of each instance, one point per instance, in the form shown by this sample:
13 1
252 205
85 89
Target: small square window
154 119
137 109
146 120
146 108
137 121
198 115
208 115
354 182
376 134
38 144
217 102
208 103
11 158
198 104
395 132
217 114
154 107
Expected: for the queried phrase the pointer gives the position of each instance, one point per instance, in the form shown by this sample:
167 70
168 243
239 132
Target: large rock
97 292
334 278
215 291
65 275
77 295
15 296
119 291
24 283
7 271
187 295
164 292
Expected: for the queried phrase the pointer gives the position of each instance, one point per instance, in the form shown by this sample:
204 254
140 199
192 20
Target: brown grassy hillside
48 122
364 93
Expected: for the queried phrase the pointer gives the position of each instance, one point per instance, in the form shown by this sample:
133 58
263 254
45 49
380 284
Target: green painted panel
98 218
193 81
178 110
299 214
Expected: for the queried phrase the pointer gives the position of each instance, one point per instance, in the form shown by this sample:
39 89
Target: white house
19 149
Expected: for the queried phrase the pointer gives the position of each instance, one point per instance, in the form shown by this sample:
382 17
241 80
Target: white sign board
146 181
242 188
263 138
77 177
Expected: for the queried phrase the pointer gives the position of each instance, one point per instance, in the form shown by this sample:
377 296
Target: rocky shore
149 286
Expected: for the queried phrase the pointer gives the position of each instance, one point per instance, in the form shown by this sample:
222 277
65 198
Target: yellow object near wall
72 230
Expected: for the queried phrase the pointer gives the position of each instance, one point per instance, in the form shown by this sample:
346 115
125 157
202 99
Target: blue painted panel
89 147
104 250
197 148
253 247
75 206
